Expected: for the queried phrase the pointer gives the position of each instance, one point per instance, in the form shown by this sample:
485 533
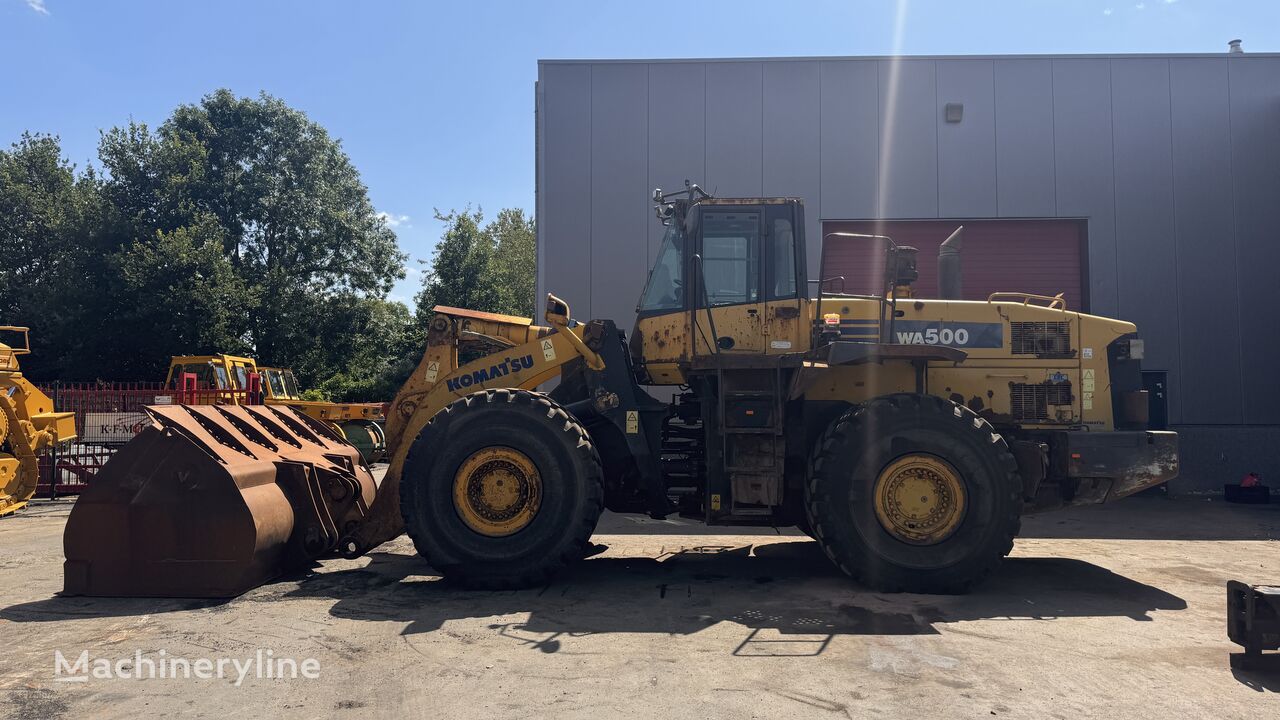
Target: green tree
237 225
482 267
513 267
297 225
384 346
47 275
460 274
182 289
37 189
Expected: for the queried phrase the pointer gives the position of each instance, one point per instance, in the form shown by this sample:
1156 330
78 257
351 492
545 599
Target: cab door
784 279
730 280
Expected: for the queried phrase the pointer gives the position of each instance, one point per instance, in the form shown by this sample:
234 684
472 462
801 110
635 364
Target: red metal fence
107 416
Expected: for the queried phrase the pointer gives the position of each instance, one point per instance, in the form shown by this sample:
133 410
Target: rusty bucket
213 500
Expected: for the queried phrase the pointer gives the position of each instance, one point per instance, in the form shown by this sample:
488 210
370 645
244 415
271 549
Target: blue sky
434 100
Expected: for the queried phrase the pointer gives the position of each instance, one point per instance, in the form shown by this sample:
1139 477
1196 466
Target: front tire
501 489
913 493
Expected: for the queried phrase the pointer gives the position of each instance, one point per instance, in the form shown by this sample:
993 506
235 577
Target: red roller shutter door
1043 257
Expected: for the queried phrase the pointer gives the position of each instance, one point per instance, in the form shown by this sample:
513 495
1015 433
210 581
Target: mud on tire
840 494
571 489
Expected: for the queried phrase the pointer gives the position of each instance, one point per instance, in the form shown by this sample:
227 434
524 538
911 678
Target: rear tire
481 531
945 545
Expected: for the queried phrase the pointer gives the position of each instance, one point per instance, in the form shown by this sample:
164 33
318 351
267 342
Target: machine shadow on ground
1261 679
1136 518
787 593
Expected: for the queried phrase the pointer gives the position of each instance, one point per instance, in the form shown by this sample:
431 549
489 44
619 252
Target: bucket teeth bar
212 501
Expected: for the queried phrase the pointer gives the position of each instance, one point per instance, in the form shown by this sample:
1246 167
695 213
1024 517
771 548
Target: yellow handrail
26 338
1055 302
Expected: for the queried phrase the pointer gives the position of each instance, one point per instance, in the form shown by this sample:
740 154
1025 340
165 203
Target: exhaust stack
950 285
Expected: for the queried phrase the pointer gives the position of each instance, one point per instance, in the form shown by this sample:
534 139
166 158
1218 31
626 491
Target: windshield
203 373
665 289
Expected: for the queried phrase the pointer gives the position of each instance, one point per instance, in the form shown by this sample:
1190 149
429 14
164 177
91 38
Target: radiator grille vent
1031 402
1041 338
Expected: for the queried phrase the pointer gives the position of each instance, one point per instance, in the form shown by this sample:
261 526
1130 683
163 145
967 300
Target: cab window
291 384
782 265
731 257
276 383
242 377
203 373
221 373
665 289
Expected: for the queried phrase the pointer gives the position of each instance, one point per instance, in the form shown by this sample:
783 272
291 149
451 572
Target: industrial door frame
1081 222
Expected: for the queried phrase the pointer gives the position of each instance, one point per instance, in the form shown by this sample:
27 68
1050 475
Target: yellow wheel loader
227 379
28 427
906 435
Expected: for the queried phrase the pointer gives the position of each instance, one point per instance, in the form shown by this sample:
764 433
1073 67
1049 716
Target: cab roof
748 201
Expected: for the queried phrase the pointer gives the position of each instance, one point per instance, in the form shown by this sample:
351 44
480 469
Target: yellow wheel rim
920 499
497 491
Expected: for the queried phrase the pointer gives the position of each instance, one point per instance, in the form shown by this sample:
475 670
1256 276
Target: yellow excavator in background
906 435
28 427
227 379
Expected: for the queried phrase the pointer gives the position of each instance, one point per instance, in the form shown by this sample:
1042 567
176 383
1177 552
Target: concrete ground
1115 611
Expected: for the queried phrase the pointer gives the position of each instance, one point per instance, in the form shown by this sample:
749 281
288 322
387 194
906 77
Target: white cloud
1140 6
1170 2
38 6
1108 11
395 221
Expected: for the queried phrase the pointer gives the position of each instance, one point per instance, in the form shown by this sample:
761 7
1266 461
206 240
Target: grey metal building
1169 163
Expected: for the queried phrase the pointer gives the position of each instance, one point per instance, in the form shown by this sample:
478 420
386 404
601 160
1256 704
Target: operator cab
728 280
280 383
212 372
209 375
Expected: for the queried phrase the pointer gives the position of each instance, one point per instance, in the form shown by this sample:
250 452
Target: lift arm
519 355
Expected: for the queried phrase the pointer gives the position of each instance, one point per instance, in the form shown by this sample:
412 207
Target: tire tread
483 576
819 500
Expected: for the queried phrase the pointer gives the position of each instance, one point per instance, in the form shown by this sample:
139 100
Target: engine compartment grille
1040 338
1031 401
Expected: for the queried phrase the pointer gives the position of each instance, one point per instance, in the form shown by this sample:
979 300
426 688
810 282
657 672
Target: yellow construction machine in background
223 379
28 427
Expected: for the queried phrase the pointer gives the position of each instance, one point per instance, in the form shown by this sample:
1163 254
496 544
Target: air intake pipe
950 286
